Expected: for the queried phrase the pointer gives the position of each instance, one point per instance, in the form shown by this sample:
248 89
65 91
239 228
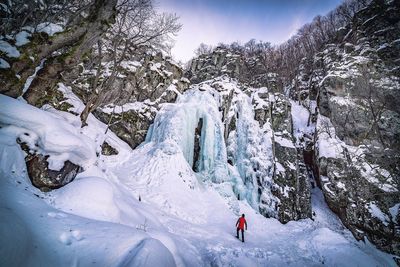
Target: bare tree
203 49
137 24
20 14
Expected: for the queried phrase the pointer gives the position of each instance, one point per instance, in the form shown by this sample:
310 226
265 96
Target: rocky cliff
350 87
251 70
147 80
355 82
333 120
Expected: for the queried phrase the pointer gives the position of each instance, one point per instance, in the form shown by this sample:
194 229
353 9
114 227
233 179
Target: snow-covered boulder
55 150
44 178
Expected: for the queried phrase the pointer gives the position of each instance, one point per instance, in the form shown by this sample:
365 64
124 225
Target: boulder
131 126
108 150
44 178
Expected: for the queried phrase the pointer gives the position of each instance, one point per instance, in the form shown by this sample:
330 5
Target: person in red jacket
240 225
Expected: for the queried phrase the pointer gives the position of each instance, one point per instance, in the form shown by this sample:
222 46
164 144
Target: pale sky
215 21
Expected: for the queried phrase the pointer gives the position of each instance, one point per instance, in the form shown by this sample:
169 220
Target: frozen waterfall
195 124
177 123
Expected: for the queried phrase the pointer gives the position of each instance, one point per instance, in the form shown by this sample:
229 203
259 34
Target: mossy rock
108 150
55 99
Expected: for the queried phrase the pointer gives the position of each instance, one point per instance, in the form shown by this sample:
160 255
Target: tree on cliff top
137 24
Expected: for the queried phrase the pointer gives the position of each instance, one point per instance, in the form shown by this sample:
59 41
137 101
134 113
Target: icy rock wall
249 147
250 150
239 144
289 183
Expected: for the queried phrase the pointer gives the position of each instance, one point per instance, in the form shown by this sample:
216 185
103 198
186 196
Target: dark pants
237 233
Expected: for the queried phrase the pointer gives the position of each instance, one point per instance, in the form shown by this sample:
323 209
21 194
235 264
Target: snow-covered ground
182 220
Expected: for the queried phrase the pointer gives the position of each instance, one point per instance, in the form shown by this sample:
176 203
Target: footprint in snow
68 237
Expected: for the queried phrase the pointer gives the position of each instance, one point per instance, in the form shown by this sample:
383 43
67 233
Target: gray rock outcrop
358 124
44 178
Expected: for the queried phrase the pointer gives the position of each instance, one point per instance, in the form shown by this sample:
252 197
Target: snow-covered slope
183 219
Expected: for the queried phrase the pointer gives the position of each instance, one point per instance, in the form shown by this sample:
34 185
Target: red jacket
241 222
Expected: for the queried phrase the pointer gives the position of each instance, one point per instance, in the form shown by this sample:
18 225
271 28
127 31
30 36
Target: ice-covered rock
216 126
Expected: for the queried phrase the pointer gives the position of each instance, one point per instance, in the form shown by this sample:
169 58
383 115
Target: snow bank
377 213
22 38
160 174
149 253
95 129
34 234
12 227
90 197
331 244
11 157
46 133
394 212
284 142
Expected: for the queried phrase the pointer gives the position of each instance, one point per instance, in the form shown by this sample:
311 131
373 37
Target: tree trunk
77 41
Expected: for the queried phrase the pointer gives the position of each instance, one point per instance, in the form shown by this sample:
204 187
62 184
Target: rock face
356 86
53 53
148 80
270 171
108 150
220 62
291 178
366 209
223 61
197 147
131 125
44 178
